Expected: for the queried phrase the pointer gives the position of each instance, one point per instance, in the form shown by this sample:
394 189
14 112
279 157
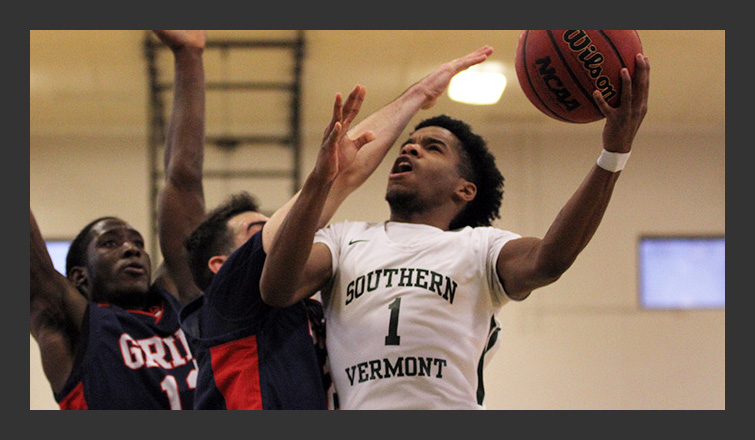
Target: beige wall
581 343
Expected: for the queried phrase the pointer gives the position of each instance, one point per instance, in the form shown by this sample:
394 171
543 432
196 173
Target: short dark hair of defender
213 237
77 252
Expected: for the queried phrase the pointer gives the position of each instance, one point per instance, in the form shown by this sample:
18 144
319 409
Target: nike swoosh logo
355 241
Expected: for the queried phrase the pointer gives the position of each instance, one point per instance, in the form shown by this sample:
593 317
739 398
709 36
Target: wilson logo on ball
592 60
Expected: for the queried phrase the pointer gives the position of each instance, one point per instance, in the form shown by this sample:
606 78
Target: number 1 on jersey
393 338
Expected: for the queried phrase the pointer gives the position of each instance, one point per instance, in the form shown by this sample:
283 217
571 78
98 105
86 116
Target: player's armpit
523 267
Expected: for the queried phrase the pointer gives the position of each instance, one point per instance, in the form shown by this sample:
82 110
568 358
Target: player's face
245 225
118 264
426 170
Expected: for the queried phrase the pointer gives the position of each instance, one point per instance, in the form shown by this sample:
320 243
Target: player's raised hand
178 39
435 83
623 121
338 150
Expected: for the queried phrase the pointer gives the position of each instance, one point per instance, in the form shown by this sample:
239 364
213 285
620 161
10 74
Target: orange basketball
559 70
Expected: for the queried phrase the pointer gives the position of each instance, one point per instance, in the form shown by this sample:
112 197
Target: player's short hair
77 251
478 166
213 236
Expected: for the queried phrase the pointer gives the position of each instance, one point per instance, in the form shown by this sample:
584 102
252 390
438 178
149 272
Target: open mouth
402 165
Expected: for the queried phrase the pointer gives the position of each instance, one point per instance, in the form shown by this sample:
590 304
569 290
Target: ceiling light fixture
482 84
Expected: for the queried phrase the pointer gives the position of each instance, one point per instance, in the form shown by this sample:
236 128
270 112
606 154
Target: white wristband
613 162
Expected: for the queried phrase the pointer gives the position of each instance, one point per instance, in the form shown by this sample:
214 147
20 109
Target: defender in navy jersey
109 339
254 356
108 334
123 352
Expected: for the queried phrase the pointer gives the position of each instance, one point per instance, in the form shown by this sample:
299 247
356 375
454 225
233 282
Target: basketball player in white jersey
410 303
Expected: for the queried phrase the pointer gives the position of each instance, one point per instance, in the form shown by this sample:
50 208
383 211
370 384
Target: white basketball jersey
410 316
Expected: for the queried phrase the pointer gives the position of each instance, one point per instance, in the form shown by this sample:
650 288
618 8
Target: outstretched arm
291 247
181 205
57 311
528 263
386 124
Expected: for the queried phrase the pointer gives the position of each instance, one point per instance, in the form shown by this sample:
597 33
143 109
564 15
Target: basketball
559 70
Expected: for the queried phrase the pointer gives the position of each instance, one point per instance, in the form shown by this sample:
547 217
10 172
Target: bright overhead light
481 84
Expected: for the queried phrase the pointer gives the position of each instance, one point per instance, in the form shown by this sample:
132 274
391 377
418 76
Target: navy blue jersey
131 359
252 355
